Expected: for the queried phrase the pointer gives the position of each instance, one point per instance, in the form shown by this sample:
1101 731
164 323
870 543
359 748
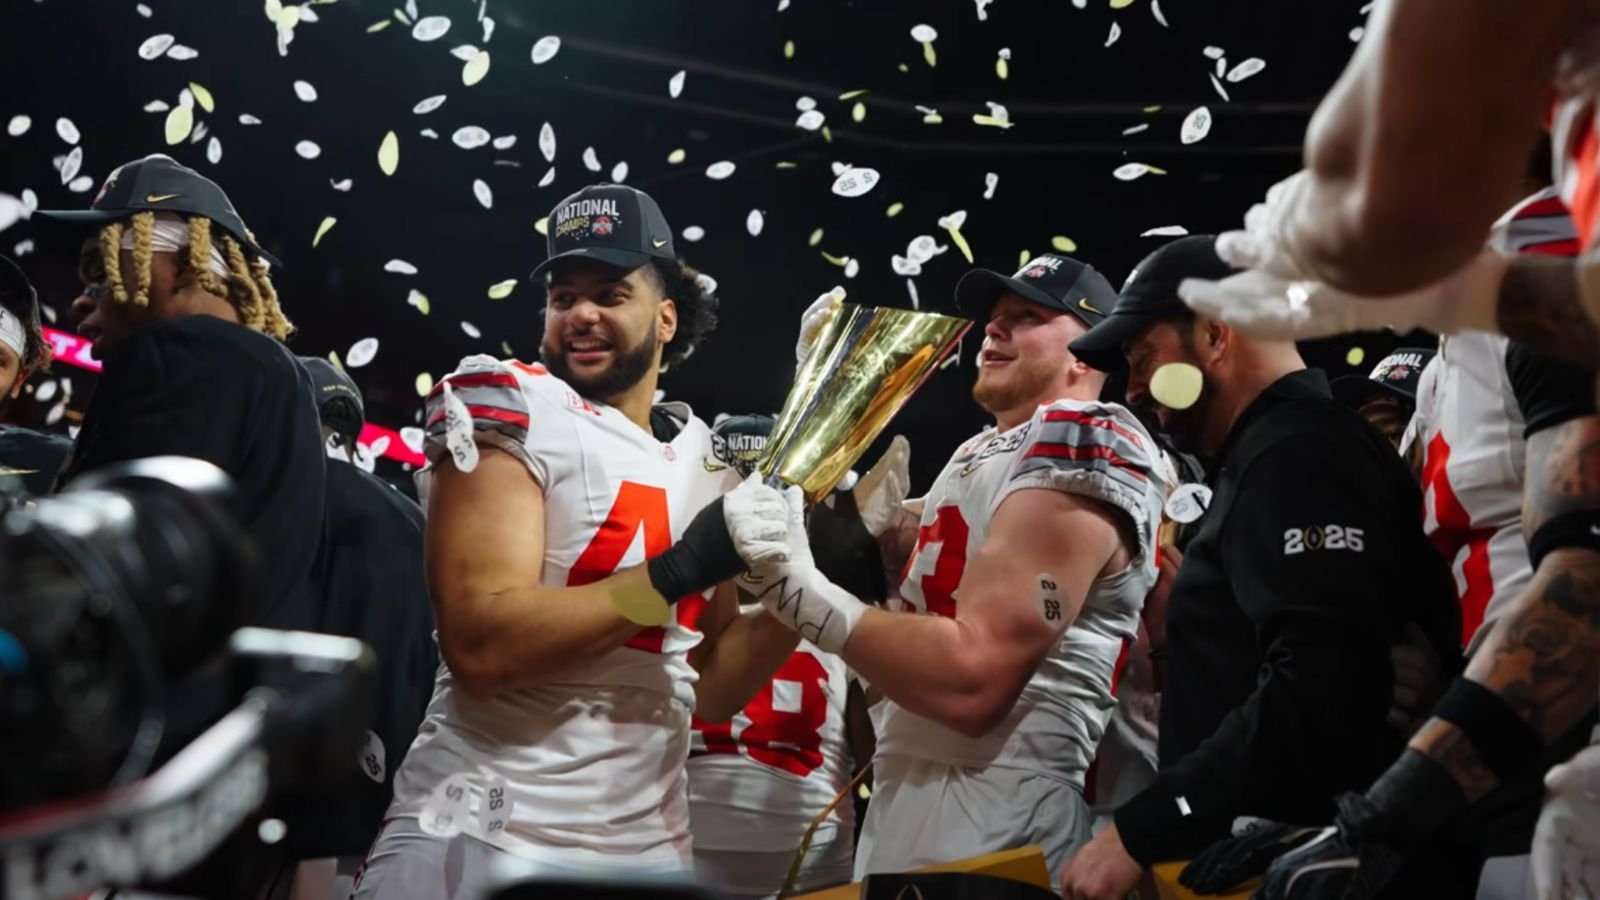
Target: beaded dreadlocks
248 286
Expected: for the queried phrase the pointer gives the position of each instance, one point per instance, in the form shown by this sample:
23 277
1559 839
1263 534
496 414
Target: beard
628 366
1019 384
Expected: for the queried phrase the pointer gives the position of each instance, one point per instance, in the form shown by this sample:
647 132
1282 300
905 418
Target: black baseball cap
338 399
612 223
1398 374
1051 279
1149 295
158 183
14 284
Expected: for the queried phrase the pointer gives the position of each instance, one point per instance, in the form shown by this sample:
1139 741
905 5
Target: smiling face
604 327
1024 360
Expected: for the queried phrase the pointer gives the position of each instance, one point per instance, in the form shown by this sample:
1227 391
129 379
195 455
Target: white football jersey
1098 450
590 766
756 782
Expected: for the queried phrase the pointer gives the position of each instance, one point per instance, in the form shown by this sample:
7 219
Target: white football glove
1566 845
812 320
880 493
800 596
1274 308
1262 245
758 523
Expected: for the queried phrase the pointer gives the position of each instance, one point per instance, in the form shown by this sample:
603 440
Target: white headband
171 235
12 334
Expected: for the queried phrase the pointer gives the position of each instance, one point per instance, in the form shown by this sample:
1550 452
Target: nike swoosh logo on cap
711 466
1084 302
160 198
658 244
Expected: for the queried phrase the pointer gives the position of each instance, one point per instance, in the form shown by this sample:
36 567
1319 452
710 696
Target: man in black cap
1034 551
1308 565
27 457
1387 396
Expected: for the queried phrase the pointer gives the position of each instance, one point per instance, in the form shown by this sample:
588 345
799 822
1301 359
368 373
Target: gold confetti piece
203 97
642 607
505 347
1355 356
542 226
1121 4
288 18
894 209
859 111
1176 385
785 164
376 27
960 240
475 69
333 357
827 135
1064 244
816 238
864 791
1022 258
389 153
424 384
932 119
788 49
503 289
327 224
903 67
929 54
1002 69
1155 171
1151 109
677 156
420 301
851 95
180 121
985 120
836 260
400 16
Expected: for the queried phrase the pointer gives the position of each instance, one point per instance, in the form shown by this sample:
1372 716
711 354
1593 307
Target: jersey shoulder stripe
492 394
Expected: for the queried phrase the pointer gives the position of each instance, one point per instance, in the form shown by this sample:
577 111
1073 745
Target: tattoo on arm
1447 746
1539 306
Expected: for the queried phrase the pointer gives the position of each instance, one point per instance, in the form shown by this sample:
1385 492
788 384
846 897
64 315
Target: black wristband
845 551
1570 529
1407 803
704 557
1504 740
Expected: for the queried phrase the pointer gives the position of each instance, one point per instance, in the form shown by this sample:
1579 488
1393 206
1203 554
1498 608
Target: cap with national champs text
1051 280
612 223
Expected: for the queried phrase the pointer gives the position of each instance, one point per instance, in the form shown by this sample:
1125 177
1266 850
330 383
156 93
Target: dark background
1069 96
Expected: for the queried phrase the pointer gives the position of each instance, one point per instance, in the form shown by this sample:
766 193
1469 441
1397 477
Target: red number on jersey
786 739
949 531
637 506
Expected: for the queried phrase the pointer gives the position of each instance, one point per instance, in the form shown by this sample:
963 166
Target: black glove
1242 856
704 557
845 551
1353 860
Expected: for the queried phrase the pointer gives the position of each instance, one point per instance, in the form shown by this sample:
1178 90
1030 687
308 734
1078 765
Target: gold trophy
865 364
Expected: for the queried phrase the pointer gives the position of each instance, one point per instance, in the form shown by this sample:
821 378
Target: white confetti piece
476 69
502 289
373 759
247 119
464 52
983 9
545 49
811 119
445 814
924 34
429 133
693 233
81 185
389 153
420 301
308 150
470 137
1213 52
1218 85
549 177
413 438
214 150
400 267
1135 129
852 268
1116 32
23 248
675 85
911 288
1196 125
805 103
547 142
1166 231
1155 10
720 170
495 809
1176 385
155 106
458 432
1131 171
990 182
67 131
754 222
855 182
923 248
903 266
143 11
181 53
1188 503
1245 69
305 91
429 105
155 46
481 190
71 165
430 28
1357 33
361 353
180 121
1221 67
30 202
590 160
783 5
505 142
11 211
45 392
471 330
19 125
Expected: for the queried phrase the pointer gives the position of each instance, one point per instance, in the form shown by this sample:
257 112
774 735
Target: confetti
1143 126
1002 69
308 150
429 133
199 133
924 34
590 160
156 46
693 233
470 137
549 177
81 184
1355 356
1176 385
717 171
465 52
327 223
429 105
1222 66
811 119
413 438
1218 85
815 239
214 151
400 267
1245 69
431 28
547 142
475 69
12 211
784 165
1063 244
69 132
1188 503
142 10
805 103
410 13
619 173
1213 52
1155 10
855 182
419 300
155 106
545 49
542 226
852 267
675 85
1116 32
923 248
471 330
424 384
754 222
181 53
488 29
203 97
19 125
71 165
180 121
788 49
305 91
676 157
1131 171
894 210
983 9
903 266
389 153
839 261
990 182
247 119
481 190
1196 126
1166 231
1357 33
502 289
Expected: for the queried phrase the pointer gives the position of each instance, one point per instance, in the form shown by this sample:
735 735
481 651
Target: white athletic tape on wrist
171 235
12 332
805 600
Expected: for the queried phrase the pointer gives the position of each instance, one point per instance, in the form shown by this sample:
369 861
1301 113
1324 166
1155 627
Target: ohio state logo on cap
1039 267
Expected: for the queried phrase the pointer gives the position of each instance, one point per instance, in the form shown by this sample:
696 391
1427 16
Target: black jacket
31 458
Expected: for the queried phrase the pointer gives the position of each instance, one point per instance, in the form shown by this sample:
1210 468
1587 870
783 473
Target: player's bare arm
1540 305
967 672
498 628
738 653
1394 203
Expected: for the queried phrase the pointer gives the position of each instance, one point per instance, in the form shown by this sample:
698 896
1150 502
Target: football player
28 457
